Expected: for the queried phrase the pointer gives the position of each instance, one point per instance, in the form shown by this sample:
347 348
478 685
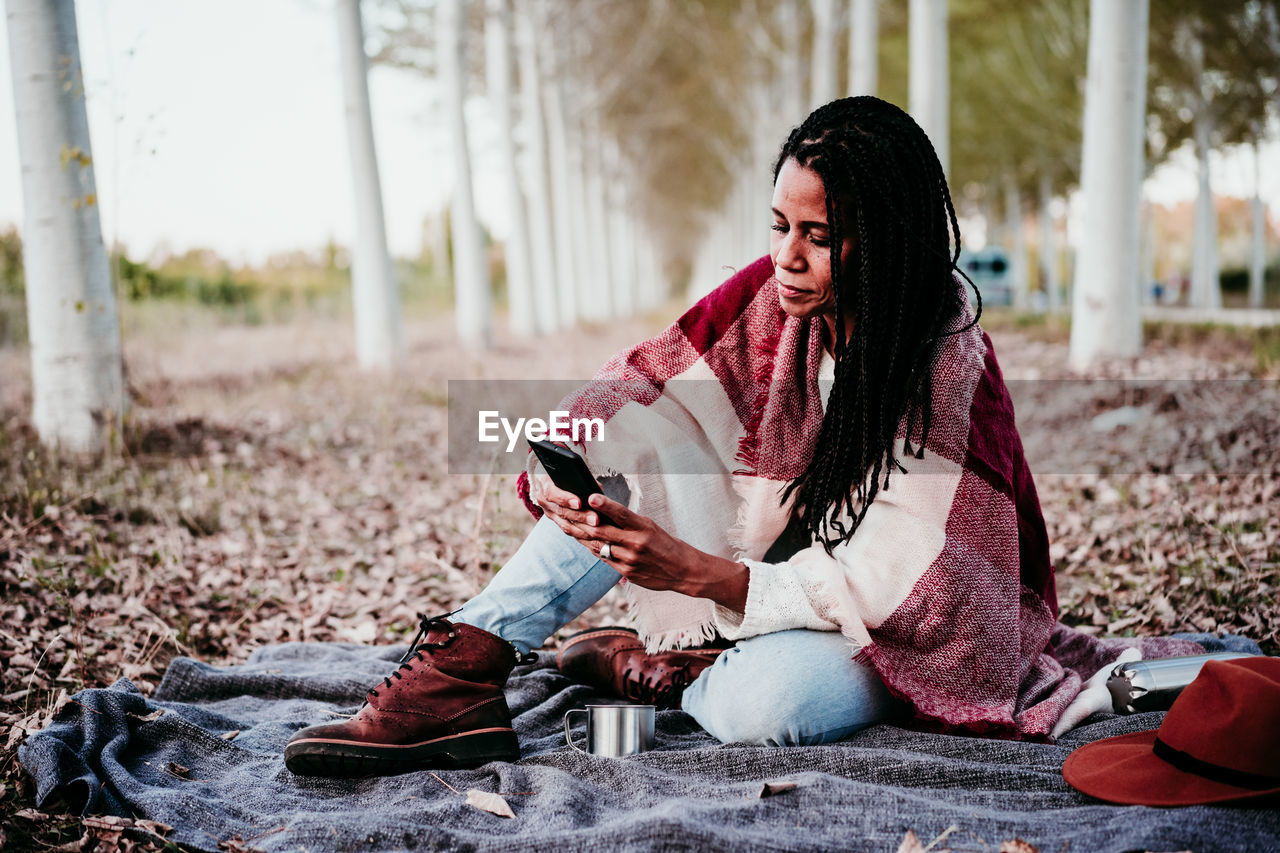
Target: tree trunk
929 84
1017 241
473 301
1105 315
826 33
792 73
1205 290
864 49
540 214
520 302
564 197
1048 246
76 364
621 255
1147 253
596 296
1258 246
374 294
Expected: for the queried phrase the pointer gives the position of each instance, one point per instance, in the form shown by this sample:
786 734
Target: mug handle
569 737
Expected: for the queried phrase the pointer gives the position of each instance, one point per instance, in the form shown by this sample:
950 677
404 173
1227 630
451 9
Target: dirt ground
267 490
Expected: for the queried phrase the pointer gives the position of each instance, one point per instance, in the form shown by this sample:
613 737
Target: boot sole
349 759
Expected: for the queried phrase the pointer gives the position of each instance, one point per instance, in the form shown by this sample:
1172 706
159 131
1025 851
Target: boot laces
650 690
418 645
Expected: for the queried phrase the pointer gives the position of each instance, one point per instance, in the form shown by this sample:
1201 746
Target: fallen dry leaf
153 826
64 698
489 802
910 843
149 718
236 844
1017 845
31 814
770 789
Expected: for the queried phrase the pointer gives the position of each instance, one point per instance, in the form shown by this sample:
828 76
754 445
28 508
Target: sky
220 125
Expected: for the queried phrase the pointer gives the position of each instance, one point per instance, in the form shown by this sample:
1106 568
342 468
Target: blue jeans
788 688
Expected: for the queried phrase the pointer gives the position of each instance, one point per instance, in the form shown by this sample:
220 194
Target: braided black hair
884 185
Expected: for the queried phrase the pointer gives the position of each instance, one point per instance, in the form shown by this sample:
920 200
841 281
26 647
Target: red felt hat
1219 743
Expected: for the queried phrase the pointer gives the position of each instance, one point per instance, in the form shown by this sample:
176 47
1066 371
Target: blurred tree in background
698 95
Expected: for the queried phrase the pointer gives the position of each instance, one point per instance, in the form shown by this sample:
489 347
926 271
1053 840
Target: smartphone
568 471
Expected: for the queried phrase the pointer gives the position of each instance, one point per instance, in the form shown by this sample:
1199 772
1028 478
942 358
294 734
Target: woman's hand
564 508
648 556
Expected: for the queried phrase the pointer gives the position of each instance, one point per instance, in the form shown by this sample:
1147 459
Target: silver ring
605 553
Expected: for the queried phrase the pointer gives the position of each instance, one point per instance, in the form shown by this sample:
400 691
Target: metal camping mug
614 731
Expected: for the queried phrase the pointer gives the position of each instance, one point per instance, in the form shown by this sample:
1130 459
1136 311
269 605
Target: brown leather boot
442 707
613 661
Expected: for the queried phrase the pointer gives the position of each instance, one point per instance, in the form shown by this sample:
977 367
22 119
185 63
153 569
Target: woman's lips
789 291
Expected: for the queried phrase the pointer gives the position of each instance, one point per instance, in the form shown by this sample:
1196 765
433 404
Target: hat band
1187 762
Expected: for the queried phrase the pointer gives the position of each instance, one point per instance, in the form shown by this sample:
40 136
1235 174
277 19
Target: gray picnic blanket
109 752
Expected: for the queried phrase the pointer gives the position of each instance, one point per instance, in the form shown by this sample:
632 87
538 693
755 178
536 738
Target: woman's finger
618 554
585 535
613 512
554 494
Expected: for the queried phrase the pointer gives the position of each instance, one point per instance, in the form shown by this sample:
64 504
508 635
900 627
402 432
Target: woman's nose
789 256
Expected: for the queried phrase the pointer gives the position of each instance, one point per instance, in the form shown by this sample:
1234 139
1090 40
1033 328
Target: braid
885 188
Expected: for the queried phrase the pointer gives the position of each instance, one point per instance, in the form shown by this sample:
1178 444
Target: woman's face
800 245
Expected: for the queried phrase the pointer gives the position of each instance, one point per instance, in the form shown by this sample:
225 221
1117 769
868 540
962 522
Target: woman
872 543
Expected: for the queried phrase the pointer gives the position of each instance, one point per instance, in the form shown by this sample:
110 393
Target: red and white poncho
946 587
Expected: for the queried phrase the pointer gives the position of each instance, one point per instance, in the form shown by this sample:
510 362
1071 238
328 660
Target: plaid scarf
946 588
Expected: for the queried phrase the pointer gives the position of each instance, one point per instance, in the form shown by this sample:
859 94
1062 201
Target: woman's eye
820 242
779 227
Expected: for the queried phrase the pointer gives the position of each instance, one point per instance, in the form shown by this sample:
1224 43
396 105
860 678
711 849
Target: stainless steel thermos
1152 685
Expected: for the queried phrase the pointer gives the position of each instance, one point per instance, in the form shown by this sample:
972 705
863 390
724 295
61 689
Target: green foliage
11 272
13 303
1214 62
138 282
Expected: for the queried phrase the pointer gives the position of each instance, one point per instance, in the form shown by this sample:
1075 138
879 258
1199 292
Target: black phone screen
566 469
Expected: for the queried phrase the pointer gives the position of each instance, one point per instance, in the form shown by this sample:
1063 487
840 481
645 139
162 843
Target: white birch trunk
793 100
929 84
76 363
563 198
621 298
864 47
1258 245
1205 289
654 289
1105 315
498 48
473 300
1147 252
826 34
540 214
757 183
596 295
1048 246
751 235
1017 241
438 244
374 295
585 276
